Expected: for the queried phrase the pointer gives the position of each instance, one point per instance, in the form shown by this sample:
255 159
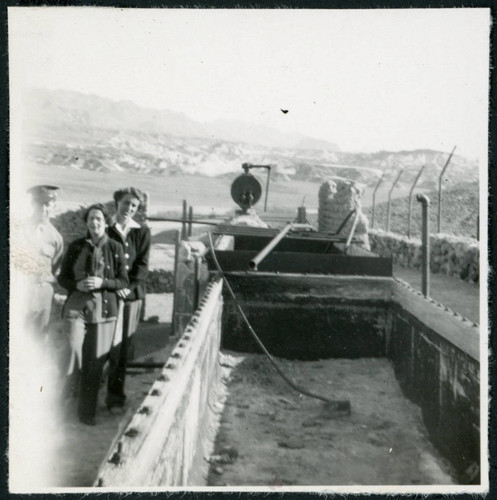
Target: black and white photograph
248 250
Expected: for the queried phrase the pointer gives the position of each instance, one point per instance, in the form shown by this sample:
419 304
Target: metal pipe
183 221
190 220
342 225
439 226
352 231
410 201
269 247
390 199
374 198
425 242
171 219
267 186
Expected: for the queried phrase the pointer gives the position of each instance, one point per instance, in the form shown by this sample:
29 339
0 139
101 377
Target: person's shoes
87 420
115 404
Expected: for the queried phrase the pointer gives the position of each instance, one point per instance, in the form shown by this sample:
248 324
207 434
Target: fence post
410 201
374 198
439 226
390 200
425 241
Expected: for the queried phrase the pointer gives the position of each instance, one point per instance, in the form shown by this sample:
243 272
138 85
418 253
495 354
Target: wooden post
174 320
301 215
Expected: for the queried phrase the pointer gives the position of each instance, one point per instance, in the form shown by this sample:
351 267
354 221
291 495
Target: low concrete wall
167 438
452 255
435 354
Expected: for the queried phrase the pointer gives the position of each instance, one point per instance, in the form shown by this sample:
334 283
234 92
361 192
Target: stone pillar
337 198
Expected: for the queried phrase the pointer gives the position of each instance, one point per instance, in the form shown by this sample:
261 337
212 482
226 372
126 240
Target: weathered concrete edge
457 330
137 453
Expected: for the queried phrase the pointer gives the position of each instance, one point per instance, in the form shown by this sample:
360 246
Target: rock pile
337 198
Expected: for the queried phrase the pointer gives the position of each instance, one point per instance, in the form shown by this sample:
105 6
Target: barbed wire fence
401 216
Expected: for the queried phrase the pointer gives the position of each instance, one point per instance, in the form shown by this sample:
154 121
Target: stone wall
451 255
337 198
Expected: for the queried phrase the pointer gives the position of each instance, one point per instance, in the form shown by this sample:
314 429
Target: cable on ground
333 404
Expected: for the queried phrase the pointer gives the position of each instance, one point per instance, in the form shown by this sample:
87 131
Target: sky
367 80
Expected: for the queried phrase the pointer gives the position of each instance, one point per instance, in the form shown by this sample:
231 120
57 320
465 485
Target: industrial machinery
293 248
246 190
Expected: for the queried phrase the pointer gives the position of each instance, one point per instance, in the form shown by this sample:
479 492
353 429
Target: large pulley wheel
246 191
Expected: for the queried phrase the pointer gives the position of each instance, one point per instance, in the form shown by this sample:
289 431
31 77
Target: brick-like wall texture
451 255
175 427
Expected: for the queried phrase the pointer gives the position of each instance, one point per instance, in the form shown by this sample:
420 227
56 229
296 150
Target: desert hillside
460 208
82 132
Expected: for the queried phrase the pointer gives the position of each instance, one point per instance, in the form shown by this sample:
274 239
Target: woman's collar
100 242
132 224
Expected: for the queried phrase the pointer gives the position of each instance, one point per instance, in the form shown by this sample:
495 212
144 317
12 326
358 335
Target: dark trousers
91 374
84 359
120 354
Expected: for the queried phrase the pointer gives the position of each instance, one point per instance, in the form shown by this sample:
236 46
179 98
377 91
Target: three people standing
105 275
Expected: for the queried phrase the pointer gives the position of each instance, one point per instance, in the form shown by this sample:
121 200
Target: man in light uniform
45 250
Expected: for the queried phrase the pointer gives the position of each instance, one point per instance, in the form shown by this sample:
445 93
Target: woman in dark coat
135 239
93 271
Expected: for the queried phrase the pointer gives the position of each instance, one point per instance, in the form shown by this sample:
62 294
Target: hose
340 405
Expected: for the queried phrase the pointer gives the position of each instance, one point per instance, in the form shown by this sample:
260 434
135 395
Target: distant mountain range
76 110
81 131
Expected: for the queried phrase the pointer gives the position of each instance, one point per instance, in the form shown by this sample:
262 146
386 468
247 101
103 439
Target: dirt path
79 449
270 435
